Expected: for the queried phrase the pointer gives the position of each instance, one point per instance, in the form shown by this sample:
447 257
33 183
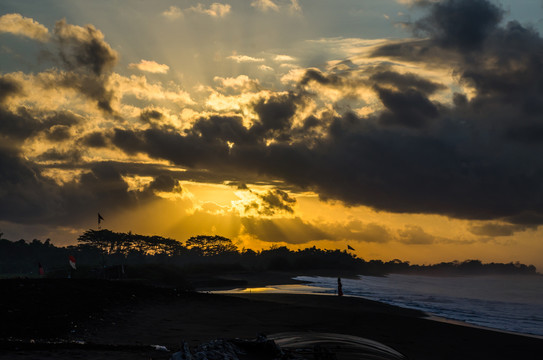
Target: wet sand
133 318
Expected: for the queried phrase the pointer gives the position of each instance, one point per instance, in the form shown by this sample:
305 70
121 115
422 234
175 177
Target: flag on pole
40 269
72 261
100 218
349 247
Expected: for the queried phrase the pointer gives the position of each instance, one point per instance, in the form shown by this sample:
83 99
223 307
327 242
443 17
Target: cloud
335 86
282 58
139 87
415 235
417 2
295 7
94 140
19 25
23 125
463 24
289 230
265 5
91 86
84 48
497 229
265 68
29 197
173 13
244 58
415 154
422 148
409 108
9 87
356 230
58 133
272 202
214 10
405 82
54 155
240 82
89 60
150 66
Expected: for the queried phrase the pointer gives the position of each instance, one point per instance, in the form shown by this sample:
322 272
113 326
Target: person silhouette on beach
339 287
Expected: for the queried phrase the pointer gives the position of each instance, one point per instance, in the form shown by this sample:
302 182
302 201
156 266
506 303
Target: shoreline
301 287
427 315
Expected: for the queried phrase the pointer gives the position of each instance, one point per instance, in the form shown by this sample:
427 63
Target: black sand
119 320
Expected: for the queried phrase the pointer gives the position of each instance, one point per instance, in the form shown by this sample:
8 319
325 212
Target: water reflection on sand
278 289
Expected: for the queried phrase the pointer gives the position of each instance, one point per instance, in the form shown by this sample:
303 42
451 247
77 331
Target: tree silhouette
211 245
107 241
111 242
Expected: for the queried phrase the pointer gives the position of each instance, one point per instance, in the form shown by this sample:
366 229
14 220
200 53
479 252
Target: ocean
510 303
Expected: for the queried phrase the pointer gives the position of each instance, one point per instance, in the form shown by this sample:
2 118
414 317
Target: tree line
102 248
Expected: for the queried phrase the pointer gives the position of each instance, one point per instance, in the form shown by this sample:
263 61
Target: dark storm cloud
338 79
463 24
404 82
238 185
61 118
477 158
84 48
29 197
474 159
71 156
89 85
23 124
18 126
275 116
88 59
8 88
95 140
222 129
410 108
278 199
163 182
58 133
127 140
272 202
24 195
149 116
496 229
321 78
101 187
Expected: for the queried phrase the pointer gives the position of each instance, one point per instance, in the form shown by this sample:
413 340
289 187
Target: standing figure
339 287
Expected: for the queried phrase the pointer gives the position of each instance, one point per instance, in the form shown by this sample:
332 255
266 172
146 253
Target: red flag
40 269
72 261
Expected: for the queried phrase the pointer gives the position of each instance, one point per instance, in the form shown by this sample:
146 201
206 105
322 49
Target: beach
127 318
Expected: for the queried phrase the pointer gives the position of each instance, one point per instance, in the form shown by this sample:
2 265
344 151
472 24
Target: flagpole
100 219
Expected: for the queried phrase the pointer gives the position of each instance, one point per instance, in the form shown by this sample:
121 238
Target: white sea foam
510 303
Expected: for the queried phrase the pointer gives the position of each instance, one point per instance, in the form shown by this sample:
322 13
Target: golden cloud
150 66
19 25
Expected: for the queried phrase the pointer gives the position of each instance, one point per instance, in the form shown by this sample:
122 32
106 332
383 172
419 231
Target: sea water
511 303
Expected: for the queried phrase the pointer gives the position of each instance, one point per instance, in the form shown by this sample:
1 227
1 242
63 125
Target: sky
407 129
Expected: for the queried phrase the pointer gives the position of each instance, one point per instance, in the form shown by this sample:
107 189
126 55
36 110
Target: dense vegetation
104 250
